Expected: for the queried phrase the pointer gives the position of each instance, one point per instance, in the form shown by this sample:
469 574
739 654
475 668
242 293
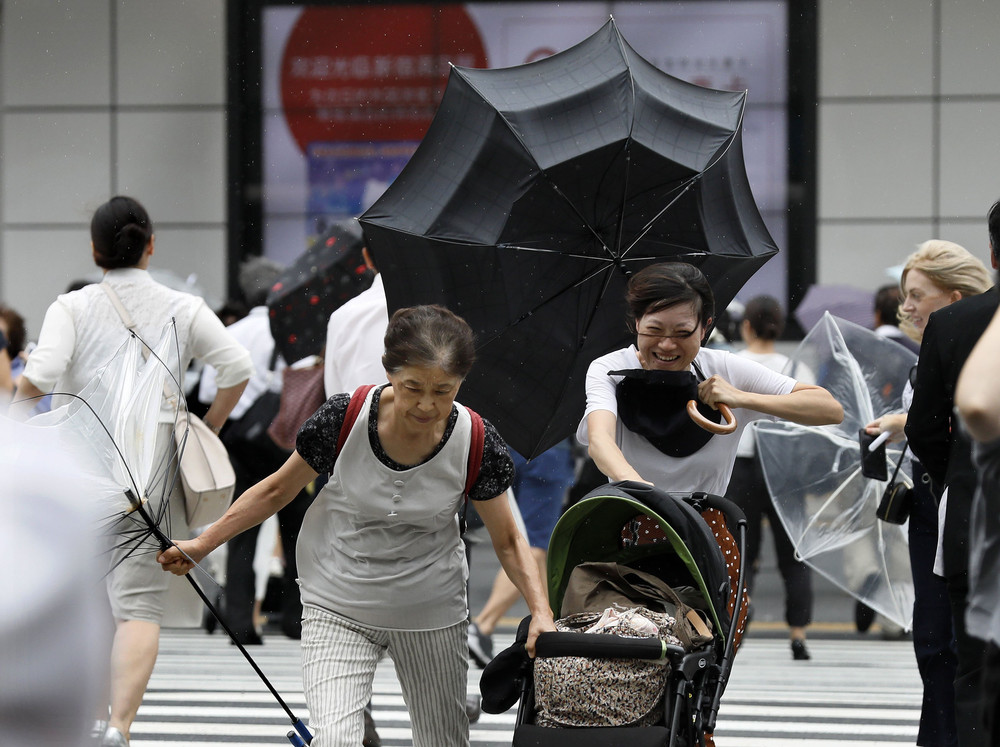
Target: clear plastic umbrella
110 429
814 472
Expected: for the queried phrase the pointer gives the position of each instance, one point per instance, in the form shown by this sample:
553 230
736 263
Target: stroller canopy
592 530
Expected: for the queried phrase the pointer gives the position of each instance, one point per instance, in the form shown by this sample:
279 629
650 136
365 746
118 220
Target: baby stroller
666 535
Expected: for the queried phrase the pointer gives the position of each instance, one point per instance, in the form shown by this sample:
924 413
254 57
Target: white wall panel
55 53
174 162
970 46
55 165
171 52
875 48
861 254
875 160
970 157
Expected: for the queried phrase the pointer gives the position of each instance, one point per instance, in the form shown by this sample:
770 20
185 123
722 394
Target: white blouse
82 331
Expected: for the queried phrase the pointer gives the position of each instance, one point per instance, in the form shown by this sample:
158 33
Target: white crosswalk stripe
853 692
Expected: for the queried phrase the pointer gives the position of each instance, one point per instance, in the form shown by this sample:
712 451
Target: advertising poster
350 90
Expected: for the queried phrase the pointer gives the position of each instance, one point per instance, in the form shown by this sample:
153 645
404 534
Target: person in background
81 332
946 454
381 562
6 377
977 399
254 457
888 300
354 338
935 276
53 626
763 323
12 326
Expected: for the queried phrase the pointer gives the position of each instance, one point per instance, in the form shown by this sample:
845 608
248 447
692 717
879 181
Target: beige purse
207 476
206 473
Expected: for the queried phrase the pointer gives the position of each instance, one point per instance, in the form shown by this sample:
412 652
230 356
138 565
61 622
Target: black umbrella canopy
324 277
537 190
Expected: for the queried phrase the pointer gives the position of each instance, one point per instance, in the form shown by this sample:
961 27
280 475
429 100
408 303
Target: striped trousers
339 657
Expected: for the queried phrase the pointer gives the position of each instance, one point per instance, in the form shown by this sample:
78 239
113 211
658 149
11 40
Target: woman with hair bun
81 332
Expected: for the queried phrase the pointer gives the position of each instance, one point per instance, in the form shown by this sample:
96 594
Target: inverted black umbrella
537 190
328 274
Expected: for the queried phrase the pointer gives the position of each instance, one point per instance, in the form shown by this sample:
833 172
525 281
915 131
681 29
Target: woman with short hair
381 562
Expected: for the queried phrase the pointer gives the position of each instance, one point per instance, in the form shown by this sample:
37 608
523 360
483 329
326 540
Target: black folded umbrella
329 273
537 190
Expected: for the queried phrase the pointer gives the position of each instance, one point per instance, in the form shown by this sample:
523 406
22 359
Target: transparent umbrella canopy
814 472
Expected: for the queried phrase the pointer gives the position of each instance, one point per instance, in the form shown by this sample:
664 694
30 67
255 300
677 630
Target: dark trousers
252 463
748 490
933 639
991 695
969 674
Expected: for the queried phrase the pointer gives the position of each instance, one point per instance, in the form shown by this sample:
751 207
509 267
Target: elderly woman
80 333
381 562
670 307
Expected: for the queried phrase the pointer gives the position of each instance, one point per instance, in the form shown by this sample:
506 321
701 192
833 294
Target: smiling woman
670 309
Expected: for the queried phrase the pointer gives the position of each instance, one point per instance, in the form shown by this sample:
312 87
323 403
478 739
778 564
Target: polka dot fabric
643 530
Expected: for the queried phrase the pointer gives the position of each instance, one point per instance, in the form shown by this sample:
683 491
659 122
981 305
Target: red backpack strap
476 446
353 410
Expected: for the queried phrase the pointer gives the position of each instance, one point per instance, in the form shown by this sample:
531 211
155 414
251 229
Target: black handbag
897 500
252 426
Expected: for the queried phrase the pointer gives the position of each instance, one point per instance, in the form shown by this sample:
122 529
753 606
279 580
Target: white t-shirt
355 341
776 362
82 331
709 468
254 333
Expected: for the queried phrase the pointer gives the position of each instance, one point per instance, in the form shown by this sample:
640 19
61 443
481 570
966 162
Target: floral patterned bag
573 691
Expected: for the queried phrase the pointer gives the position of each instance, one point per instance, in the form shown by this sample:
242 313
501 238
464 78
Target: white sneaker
113 738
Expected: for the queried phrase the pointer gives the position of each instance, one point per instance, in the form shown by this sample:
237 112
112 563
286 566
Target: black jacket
931 427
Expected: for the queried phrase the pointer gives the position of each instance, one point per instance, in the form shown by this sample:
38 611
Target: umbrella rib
549 299
833 496
628 152
543 172
691 182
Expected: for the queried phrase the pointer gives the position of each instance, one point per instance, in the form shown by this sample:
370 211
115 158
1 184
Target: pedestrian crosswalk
853 692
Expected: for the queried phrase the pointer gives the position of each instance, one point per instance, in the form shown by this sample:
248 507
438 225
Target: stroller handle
603 646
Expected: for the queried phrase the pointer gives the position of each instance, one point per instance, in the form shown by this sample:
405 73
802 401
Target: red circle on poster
372 73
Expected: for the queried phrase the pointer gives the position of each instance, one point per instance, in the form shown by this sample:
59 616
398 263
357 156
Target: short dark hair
887 300
668 284
427 336
993 221
121 230
16 332
766 317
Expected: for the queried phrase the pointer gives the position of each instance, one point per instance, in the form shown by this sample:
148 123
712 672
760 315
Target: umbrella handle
719 428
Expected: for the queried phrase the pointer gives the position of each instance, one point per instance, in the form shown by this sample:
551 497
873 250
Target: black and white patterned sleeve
316 441
497 471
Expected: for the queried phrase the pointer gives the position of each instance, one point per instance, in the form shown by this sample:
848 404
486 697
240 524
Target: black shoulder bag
897 500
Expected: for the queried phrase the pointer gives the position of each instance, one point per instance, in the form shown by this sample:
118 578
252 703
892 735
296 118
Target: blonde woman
935 276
